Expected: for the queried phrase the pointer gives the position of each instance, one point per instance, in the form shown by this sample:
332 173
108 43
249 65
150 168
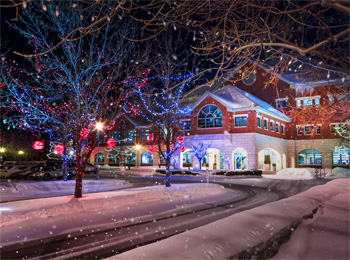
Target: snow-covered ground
10 191
259 231
54 216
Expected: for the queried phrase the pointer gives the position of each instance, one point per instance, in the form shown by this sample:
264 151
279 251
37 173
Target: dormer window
210 116
308 101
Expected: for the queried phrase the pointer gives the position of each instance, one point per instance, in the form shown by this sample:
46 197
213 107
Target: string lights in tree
63 92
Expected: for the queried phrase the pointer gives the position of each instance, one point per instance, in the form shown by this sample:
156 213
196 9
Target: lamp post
137 147
21 154
99 127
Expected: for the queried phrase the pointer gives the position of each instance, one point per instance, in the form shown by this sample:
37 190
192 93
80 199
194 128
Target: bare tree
171 69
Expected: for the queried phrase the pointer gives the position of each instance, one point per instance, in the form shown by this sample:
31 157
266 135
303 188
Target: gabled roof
235 99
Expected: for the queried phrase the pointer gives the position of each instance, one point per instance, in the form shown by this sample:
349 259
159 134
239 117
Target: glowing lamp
59 149
110 143
137 147
38 145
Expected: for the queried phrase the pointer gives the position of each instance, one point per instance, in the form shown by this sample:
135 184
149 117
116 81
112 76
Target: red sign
38 145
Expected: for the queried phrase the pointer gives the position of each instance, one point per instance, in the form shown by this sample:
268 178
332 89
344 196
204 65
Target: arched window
113 158
310 156
210 116
130 158
100 157
146 158
341 157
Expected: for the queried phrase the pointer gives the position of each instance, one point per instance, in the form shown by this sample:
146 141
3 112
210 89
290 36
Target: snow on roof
236 99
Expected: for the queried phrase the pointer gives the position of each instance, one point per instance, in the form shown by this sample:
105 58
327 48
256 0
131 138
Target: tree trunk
168 173
200 163
78 193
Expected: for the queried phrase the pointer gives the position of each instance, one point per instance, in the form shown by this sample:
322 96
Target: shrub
274 165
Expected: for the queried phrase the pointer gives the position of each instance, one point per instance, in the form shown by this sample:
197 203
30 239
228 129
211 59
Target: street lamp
2 150
99 127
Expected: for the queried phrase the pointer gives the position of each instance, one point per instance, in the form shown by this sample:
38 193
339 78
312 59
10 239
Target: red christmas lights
59 149
38 145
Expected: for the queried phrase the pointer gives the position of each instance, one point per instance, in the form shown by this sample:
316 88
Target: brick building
244 123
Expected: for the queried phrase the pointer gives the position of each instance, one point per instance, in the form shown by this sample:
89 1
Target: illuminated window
318 129
310 156
283 127
209 116
277 127
341 157
147 158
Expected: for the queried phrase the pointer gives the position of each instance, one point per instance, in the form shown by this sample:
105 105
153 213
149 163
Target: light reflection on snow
4 208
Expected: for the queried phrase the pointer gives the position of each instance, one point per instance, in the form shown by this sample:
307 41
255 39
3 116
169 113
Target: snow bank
10 191
339 172
50 207
297 173
255 233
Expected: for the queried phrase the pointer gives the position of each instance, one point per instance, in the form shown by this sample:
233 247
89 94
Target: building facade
244 132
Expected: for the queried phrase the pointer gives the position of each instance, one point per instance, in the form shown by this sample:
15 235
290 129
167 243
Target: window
186 158
281 103
332 127
307 102
298 102
272 125
299 130
318 129
266 124
115 135
283 129
317 101
277 127
113 158
310 156
100 158
258 121
130 158
131 136
308 129
186 124
210 116
240 121
147 158
341 157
